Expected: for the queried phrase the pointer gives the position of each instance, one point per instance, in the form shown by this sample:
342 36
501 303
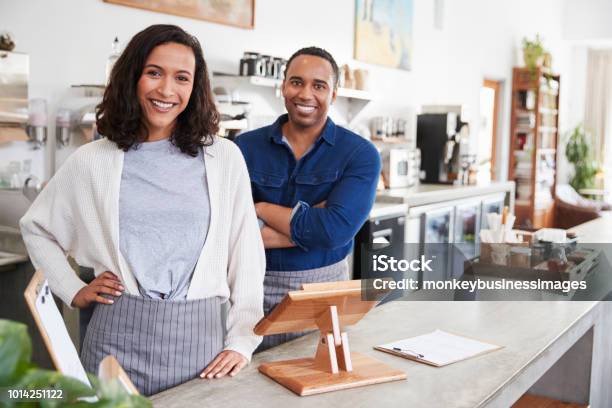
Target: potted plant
17 372
533 53
578 154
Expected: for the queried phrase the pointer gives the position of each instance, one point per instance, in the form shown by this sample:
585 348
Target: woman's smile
162 106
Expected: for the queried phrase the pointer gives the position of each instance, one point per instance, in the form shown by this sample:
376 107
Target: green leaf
18 372
15 350
578 153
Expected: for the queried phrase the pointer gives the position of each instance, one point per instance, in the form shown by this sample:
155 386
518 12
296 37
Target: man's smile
303 108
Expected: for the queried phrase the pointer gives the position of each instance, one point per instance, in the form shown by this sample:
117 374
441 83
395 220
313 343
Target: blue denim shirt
341 167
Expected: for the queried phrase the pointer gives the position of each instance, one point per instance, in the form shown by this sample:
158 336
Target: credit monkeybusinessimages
478 284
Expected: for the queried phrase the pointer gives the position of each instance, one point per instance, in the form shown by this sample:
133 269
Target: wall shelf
356 98
272 82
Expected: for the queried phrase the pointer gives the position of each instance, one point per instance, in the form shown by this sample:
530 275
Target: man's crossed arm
276 231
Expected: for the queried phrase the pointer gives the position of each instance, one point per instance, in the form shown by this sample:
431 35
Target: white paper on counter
439 348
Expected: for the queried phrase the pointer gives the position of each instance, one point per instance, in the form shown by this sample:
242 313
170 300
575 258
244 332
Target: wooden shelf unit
534 137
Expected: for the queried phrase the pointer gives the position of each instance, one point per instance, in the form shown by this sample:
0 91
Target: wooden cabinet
534 133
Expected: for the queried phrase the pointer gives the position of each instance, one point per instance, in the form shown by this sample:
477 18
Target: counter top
423 194
13 205
534 336
7 258
598 230
12 248
381 210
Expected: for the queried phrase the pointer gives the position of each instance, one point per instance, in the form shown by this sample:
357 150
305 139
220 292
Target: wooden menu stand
325 306
110 369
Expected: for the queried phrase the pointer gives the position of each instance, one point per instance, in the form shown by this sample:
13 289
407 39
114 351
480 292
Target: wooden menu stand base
333 367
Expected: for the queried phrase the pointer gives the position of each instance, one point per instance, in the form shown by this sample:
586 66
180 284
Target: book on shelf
525 162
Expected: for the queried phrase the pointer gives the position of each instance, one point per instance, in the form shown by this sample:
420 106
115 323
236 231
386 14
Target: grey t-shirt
164 214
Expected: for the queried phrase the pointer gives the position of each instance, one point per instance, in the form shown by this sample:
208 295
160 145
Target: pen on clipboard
414 354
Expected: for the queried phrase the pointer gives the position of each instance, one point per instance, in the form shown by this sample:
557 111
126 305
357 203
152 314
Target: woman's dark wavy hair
119 115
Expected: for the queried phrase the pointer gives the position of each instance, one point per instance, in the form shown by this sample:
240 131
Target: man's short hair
317 52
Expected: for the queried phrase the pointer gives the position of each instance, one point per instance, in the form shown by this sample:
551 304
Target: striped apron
159 343
278 283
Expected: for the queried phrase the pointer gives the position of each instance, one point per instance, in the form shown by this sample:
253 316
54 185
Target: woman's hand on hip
107 283
227 362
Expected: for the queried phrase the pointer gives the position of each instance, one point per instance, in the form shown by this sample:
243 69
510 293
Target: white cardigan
77 214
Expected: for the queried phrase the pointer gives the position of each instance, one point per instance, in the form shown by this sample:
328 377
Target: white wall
69 41
586 24
587 19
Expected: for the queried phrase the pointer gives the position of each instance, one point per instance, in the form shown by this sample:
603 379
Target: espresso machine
441 137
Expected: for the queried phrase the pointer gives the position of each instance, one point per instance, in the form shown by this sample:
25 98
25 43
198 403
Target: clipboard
55 336
451 348
53 329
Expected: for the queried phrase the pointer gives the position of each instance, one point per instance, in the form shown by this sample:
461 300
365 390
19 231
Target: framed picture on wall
237 13
383 32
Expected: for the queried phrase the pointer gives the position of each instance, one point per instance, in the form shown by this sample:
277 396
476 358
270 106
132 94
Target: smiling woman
161 209
159 66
